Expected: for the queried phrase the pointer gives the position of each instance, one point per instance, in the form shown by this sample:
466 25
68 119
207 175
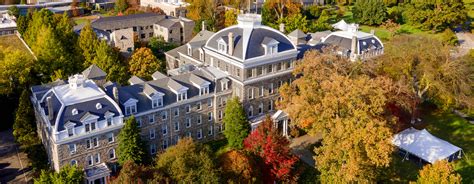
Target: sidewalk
13 164
300 147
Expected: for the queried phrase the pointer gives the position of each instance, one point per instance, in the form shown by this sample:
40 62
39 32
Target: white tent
341 25
423 145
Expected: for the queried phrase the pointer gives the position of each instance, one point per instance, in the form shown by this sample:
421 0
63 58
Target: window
142 36
189 134
130 109
190 51
73 162
70 131
188 108
220 115
270 69
90 126
153 148
188 122
176 126
199 134
198 106
238 72
261 91
210 130
72 148
250 93
259 71
110 137
164 143
209 102
204 90
176 139
151 119
201 56
199 119
139 122
224 85
111 153
164 129
250 112
260 108
157 102
176 112
95 140
90 160
209 115
181 96
270 105
278 66
88 144
109 121
270 88
150 34
222 47
152 133
98 106
164 115
280 83
249 73
97 158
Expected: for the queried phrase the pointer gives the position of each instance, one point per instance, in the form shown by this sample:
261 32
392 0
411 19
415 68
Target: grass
380 32
13 42
218 147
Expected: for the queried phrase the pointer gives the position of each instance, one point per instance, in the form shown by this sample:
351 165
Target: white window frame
188 122
188 109
97 158
164 129
152 133
73 150
110 120
164 143
176 128
95 142
209 116
164 114
90 160
210 130
270 88
70 131
199 134
261 90
250 93
176 112
198 106
113 153
151 118
199 119
110 135
209 102
152 148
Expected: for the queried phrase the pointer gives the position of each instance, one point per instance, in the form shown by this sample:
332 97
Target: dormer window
98 106
201 55
130 109
182 96
74 112
90 126
190 51
157 102
224 84
222 45
270 45
204 90
70 131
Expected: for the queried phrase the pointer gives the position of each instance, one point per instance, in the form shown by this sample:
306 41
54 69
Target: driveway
302 147
13 164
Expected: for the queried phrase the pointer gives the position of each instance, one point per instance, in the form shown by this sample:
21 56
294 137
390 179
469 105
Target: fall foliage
440 172
237 167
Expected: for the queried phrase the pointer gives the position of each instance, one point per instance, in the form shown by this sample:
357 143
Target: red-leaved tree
273 150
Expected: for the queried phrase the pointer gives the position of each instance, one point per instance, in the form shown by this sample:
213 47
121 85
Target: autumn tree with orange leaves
335 97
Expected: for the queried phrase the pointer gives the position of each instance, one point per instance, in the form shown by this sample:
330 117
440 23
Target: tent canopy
424 145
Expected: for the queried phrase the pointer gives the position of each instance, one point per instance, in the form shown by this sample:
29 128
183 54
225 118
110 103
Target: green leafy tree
22 23
88 42
135 173
130 146
230 18
188 162
14 11
67 175
15 71
448 37
435 15
121 6
38 157
143 63
39 19
108 59
439 172
294 22
369 12
24 128
236 124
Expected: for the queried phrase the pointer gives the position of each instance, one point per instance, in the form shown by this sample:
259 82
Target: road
13 163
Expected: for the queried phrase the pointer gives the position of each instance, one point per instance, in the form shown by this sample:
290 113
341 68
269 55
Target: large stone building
78 124
7 25
175 8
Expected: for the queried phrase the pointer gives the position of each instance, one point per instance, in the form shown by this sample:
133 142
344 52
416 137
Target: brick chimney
231 43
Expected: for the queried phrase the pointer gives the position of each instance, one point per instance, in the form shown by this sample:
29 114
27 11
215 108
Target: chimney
372 32
231 43
203 25
282 28
115 93
49 103
353 46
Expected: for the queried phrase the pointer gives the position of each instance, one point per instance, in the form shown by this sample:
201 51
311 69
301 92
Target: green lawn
13 42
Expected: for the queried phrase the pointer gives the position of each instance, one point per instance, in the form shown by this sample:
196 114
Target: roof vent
76 81
74 111
98 106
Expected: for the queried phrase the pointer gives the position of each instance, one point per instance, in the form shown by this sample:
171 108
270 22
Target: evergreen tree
14 11
188 162
22 23
236 125
24 128
130 145
143 63
88 42
369 12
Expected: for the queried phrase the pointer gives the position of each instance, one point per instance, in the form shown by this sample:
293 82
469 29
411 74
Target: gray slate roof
256 37
111 23
297 34
135 80
94 72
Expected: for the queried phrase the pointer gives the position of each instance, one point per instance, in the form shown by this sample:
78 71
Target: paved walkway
13 164
466 42
302 147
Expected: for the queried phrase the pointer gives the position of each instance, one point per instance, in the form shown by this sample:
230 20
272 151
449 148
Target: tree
426 67
15 71
67 175
131 146
14 11
188 162
230 18
88 42
237 167
108 60
294 22
143 63
439 172
135 173
22 23
121 6
275 11
75 11
435 15
369 12
24 128
236 124
273 150
448 37
338 100
38 157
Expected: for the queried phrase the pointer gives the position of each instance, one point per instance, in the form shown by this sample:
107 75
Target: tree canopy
369 12
15 70
143 63
130 146
188 162
67 175
236 125
435 15
237 167
439 172
24 127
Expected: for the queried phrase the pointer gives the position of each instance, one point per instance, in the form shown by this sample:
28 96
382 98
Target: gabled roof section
94 72
158 75
269 41
176 87
88 117
151 91
135 80
198 81
297 34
